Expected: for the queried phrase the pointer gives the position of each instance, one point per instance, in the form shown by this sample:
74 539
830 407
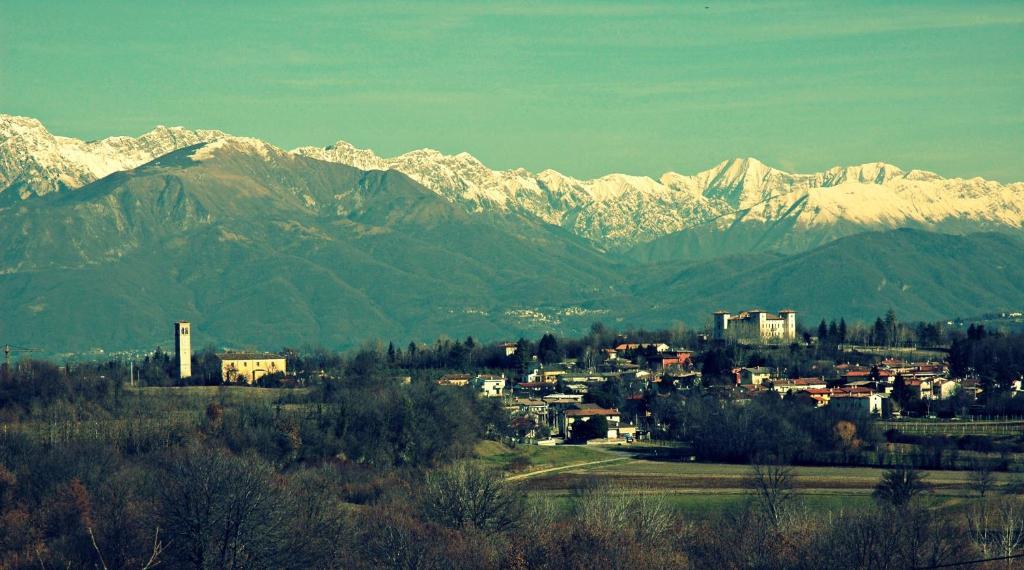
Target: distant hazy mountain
103 244
922 275
257 245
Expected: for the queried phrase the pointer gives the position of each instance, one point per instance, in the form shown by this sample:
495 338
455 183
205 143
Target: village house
489 385
249 367
542 375
531 406
784 387
872 403
456 379
681 380
754 376
534 389
510 348
820 396
676 360
582 412
658 347
934 389
562 399
944 388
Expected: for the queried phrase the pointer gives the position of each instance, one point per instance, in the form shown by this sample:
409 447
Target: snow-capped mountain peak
35 162
615 210
244 145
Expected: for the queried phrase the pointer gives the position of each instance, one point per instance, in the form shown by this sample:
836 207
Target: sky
585 88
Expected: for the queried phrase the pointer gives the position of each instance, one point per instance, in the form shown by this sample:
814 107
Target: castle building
183 348
755 326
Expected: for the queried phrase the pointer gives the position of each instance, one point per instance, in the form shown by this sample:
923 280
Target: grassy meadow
692 488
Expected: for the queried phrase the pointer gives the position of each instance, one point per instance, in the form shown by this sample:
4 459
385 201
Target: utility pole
8 349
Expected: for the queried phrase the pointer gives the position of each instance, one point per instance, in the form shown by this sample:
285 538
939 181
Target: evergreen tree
891 328
822 332
523 355
899 390
548 350
878 336
842 331
411 351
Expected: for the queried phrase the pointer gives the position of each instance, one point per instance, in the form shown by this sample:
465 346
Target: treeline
993 357
791 430
886 330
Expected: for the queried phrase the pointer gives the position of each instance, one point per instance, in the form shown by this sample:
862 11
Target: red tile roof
591 412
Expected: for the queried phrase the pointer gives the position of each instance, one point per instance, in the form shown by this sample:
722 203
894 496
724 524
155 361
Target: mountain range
106 242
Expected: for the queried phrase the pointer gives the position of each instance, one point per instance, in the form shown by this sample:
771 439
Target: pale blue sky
582 87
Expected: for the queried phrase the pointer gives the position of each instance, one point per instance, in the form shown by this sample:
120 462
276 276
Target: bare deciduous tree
771 482
624 510
981 478
997 528
900 486
467 496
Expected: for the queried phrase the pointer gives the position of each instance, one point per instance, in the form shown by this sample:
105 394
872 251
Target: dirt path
564 467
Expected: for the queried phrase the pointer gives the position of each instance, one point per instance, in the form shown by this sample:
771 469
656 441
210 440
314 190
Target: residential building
456 379
489 385
510 348
873 403
677 359
754 376
581 412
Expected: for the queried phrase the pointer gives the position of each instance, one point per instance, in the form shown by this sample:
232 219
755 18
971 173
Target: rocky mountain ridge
661 219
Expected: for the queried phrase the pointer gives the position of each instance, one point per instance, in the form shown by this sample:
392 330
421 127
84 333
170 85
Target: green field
694 488
700 504
532 458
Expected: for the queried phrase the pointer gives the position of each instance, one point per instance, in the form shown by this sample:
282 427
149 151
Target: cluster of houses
866 388
547 402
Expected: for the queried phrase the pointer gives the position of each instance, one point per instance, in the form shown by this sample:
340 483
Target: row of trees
792 429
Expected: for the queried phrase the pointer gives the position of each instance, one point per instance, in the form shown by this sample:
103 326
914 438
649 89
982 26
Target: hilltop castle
755 325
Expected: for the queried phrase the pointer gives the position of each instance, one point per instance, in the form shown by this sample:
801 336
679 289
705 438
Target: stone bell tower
183 348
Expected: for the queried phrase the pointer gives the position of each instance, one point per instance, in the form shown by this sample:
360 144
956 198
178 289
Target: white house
571 416
490 385
875 403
